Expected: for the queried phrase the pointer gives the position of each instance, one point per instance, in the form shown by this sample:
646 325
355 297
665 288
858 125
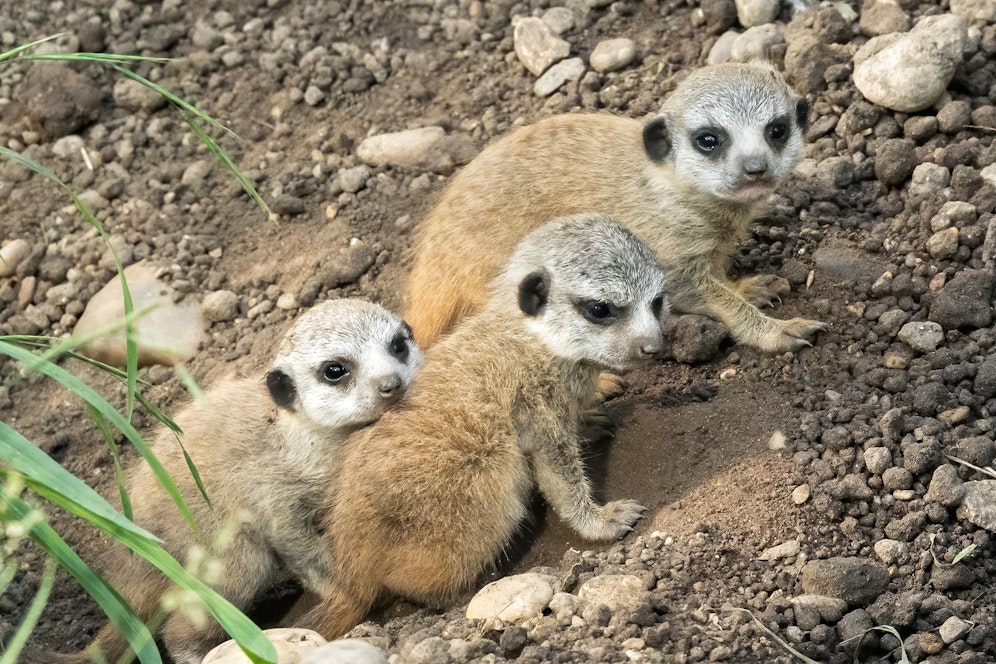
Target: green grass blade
100 58
90 396
117 610
30 620
19 50
112 447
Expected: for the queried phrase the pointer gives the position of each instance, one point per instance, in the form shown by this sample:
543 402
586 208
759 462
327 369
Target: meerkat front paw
790 335
610 386
598 426
763 290
617 518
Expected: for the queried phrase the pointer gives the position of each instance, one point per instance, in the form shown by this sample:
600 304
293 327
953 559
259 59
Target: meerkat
266 449
689 182
429 495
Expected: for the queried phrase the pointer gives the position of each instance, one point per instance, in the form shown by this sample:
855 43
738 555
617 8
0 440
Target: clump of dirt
754 467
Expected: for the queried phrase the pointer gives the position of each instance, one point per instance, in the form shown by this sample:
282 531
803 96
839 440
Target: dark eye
399 346
777 131
333 372
596 312
657 306
706 141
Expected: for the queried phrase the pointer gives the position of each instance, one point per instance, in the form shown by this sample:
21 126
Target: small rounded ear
533 293
802 115
657 139
282 389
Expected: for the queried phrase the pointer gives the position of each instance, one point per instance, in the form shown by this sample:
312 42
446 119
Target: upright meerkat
265 449
429 495
688 182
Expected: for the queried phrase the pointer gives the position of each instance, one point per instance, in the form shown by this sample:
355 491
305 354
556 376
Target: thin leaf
903 657
17 51
961 554
87 393
117 610
112 446
30 619
777 638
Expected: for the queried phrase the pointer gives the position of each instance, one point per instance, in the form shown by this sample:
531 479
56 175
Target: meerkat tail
340 609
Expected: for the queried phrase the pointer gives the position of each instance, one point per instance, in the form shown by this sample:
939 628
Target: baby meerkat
689 182
430 494
266 451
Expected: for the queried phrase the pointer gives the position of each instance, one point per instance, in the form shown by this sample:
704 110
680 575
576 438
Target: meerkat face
590 290
732 130
343 363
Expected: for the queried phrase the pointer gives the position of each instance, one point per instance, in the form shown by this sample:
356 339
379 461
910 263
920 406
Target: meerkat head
343 363
732 130
589 289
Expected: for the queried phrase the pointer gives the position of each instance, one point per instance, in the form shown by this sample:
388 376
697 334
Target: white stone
11 255
801 494
620 592
943 244
954 628
513 598
354 179
220 306
407 148
195 173
831 609
975 10
571 69
921 336
756 12
613 54
345 651
891 551
134 96
979 504
954 213
537 46
723 48
929 179
910 71
68 147
559 19
878 459
787 549
291 644
989 174
757 43
166 333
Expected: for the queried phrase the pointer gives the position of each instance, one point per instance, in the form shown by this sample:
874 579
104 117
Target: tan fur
430 494
265 469
691 209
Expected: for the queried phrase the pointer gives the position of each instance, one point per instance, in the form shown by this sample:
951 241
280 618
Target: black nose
755 166
390 385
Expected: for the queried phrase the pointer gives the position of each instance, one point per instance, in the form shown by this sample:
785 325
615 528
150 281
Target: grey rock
985 378
975 10
693 338
882 17
346 265
878 459
954 577
169 333
720 15
560 19
57 99
891 551
895 161
288 205
433 650
953 117
943 244
979 504
851 628
68 147
945 487
625 596
194 174
427 148
613 54
788 549
954 213
857 581
922 337
353 179
953 629
831 609
759 42
908 72
537 46
906 528
977 450
722 49
132 95
571 69
929 179
963 303
891 424
220 306
290 643
921 457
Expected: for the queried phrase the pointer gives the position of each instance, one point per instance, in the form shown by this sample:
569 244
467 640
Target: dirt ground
303 82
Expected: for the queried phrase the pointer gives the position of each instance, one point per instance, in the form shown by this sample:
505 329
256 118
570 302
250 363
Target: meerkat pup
689 182
430 494
265 449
